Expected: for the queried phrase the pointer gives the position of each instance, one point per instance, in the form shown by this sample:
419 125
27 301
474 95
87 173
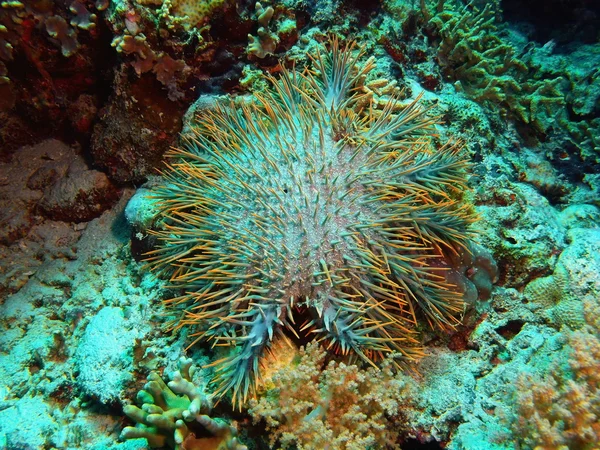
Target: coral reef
313 202
79 195
166 56
130 40
265 43
103 353
572 283
473 270
486 66
136 127
546 92
560 410
170 411
171 41
18 19
50 322
43 189
312 404
530 238
51 63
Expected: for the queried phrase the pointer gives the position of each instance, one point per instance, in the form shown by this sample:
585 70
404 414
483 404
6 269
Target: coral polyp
300 205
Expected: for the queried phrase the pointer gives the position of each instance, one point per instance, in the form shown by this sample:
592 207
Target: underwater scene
300 224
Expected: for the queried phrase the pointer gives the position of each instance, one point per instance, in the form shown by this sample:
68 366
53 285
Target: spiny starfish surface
297 202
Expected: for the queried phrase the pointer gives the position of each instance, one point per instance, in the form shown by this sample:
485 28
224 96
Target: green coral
581 122
270 31
167 411
552 92
253 80
485 65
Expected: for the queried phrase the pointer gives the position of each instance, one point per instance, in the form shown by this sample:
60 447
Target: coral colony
301 205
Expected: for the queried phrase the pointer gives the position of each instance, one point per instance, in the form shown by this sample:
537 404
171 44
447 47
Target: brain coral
299 208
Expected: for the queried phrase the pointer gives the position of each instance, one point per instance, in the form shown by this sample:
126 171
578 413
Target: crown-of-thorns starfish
296 202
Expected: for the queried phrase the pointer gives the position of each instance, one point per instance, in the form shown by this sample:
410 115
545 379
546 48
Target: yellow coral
379 94
569 312
555 294
189 14
543 291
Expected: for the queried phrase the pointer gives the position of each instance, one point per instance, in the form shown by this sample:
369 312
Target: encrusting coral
170 413
560 411
296 207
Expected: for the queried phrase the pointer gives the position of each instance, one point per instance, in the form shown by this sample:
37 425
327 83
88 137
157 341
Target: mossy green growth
253 79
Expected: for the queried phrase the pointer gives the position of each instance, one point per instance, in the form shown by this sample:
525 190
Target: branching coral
170 414
378 94
337 407
486 66
268 36
559 412
298 207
